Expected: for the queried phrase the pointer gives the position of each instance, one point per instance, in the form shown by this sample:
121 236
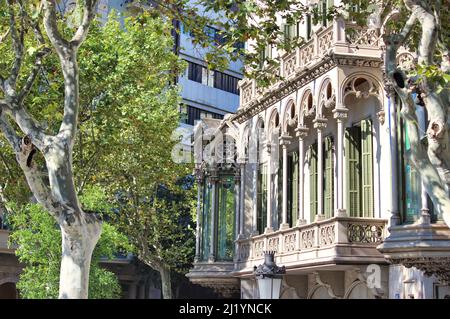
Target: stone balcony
342 44
425 246
331 242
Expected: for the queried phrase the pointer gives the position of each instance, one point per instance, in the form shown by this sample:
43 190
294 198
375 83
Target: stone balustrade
358 40
334 238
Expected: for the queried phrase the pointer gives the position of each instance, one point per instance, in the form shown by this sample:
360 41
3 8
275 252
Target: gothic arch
327 96
356 285
289 115
274 121
306 107
244 144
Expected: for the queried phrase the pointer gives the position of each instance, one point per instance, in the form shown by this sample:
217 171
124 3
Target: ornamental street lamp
269 277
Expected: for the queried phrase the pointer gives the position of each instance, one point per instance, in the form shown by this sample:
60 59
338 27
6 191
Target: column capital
302 131
213 178
198 173
340 113
285 140
320 123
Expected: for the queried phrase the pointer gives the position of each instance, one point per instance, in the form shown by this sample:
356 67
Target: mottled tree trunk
166 282
53 187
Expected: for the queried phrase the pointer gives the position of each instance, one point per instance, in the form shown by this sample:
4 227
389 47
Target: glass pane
225 237
412 185
206 221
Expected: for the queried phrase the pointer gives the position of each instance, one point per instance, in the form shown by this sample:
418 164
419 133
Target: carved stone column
340 114
425 217
284 142
269 227
199 179
302 132
237 211
237 200
214 178
320 124
395 218
255 199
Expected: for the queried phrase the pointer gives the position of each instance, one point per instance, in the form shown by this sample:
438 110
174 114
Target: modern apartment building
316 168
205 93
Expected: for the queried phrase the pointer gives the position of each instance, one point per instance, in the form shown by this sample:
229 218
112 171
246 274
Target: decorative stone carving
331 102
307 239
365 233
301 132
406 61
325 41
289 65
381 117
272 244
320 123
340 113
289 242
307 53
258 249
362 36
244 251
246 94
438 266
327 235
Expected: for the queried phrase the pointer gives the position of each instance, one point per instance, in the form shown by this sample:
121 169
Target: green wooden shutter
313 181
294 210
367 168
352 154
329 177
308 26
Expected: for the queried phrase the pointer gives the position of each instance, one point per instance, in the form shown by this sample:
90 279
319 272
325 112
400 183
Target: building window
308 27
195 72
226 82
190 114
207 77
312 163
328 179
289 31
265 54
206 220
410 185
216 79
328 170
359 164
226 217
292 188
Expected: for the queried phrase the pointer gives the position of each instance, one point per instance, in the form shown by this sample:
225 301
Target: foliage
38 241
128 109
160 225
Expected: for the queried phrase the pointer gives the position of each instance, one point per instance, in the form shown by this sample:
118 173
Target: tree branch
3 37
17 42
34 72
59 43
9 132
88 14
